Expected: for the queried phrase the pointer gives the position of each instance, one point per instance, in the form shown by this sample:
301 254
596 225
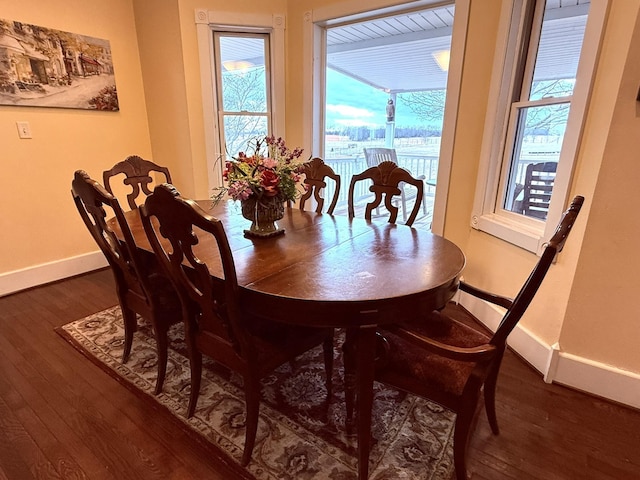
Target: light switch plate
24 129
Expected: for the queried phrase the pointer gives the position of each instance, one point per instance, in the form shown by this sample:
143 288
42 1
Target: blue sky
352 103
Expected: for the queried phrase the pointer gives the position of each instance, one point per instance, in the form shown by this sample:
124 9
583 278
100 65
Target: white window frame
314 79
488 216
207 22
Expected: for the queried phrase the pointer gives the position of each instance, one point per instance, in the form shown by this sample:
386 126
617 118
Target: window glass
558 53
241 130
242 66
541 112
524 194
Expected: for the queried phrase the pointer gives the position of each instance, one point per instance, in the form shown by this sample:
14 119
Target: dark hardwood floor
63 417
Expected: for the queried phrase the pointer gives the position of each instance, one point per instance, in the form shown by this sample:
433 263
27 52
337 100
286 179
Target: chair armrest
467 354
500 300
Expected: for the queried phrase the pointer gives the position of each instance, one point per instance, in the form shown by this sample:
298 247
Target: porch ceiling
398 53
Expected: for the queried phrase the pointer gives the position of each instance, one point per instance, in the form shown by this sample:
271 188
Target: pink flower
270 162
240 190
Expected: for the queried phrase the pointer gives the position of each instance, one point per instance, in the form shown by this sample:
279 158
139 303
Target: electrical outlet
24 129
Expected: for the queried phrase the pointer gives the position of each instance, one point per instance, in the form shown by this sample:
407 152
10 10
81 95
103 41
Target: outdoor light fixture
234 65
442 59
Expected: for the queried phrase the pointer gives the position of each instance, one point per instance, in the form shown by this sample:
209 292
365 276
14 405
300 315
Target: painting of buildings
42 67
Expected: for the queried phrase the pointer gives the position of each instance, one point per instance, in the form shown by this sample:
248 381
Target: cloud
348 111
353 122
348 116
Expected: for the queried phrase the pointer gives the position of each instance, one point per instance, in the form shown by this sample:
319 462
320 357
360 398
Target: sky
352 103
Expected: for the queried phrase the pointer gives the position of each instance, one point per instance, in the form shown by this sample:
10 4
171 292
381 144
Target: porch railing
346 167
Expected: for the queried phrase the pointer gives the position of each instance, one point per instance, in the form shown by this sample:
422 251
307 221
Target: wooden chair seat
409 363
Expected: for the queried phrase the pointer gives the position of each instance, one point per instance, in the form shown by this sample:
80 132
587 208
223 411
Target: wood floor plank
66 435
143 443
96 426
19 454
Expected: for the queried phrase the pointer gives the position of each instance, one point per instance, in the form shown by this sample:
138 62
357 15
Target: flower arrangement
269 170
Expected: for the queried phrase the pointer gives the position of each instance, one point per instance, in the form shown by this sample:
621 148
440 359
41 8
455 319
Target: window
544 80
242 85
239 55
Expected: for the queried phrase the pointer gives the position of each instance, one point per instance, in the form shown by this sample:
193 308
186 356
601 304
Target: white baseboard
11 282
561 367
598 379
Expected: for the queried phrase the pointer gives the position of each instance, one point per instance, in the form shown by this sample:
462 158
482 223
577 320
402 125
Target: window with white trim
240 55
546 56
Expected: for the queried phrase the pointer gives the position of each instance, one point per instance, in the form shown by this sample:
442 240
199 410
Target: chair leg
327 346
348 354
461 439
490 398
130 326
252 399
162 348
195 358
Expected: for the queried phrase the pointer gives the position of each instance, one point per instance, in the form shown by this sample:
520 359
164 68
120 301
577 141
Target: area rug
301 432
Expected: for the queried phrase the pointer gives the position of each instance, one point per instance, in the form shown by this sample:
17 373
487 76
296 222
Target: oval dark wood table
335 271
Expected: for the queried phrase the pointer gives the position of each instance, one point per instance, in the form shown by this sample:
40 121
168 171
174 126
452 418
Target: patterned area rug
300 433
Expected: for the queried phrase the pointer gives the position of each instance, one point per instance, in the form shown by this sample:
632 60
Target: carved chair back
137 175
386 178
316 171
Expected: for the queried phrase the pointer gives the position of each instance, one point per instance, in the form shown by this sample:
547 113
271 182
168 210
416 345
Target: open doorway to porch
385 87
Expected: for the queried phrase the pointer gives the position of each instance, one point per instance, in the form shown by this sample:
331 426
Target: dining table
335 271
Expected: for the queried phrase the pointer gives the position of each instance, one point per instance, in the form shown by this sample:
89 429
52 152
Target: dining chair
316 172
386 178
375 156
137 172
449 361
534 195
141 287
216 324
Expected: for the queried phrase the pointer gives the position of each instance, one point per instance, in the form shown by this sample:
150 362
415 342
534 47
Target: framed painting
42 67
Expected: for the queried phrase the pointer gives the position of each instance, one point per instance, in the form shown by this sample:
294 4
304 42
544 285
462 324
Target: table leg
365 363
349 358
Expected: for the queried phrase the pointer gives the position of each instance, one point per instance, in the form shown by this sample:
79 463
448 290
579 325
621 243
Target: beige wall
603 316
38 220
594 274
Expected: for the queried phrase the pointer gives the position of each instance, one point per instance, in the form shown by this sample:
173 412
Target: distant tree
427 105
547 120
243 92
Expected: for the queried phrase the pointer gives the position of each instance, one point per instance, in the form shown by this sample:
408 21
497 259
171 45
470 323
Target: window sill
526 235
